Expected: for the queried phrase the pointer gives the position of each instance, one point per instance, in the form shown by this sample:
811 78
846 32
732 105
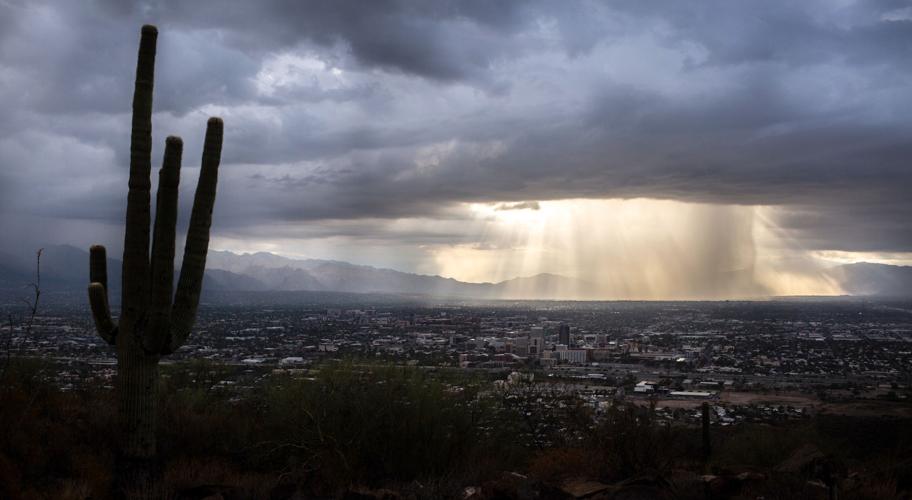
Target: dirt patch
868 409
757 398
685 404
857 408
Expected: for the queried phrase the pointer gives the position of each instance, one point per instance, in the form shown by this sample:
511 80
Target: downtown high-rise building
563 335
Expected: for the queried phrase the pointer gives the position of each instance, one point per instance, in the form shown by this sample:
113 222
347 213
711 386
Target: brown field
857 408
747 398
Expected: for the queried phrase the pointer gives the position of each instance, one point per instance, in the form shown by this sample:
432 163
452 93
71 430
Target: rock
802 459
288 491
208 492
728 484
367 494
720 486
750 476
582 488
472 493
642 488
510 486
686 481
819 468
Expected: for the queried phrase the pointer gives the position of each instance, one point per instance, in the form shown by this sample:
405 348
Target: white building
691 394
644 387
570 355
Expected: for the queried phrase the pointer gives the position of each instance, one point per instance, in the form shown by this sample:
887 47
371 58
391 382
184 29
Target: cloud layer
355 121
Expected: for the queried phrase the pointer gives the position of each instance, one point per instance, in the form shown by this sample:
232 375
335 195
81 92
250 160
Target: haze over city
651 150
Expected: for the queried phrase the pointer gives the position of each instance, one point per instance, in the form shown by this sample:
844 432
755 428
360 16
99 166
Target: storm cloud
343 117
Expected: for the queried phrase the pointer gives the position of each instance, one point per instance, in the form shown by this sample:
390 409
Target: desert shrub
858 440
54 444
423 434
760 445
542 415
784 487
631 442
370 425
199 417
555 464
863 438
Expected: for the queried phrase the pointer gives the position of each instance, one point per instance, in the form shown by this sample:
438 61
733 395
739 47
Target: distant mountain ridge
864 278
285 274
66 267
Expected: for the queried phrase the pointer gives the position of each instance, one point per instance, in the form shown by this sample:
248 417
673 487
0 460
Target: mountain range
66 267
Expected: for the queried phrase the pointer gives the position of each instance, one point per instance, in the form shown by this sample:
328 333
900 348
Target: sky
739 146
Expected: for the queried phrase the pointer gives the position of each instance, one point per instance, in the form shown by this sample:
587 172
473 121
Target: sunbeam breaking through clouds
637 249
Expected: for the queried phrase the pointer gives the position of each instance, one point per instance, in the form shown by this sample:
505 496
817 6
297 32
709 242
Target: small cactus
152 324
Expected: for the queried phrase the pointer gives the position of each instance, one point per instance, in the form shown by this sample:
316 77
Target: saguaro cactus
151 325
707 444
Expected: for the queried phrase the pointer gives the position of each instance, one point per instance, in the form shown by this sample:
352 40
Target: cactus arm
101 313
98 294
190 283
162 272
98 266
136 238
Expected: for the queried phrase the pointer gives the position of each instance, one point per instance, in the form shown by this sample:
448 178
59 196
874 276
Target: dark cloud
783 32
344 111
448 40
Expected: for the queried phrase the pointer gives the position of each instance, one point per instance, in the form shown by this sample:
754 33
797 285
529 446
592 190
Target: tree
26 325
151 323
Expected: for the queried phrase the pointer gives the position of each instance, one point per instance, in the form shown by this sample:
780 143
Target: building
561 353
691 394
578 356
536 341
644 387
519 345
563 334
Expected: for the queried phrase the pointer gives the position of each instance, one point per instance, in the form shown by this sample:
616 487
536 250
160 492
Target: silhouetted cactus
704 420
150 324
